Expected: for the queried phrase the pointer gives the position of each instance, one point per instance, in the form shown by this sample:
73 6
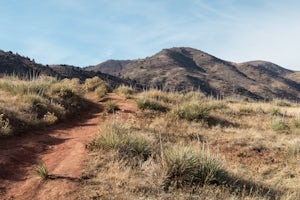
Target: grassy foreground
192 147
27 105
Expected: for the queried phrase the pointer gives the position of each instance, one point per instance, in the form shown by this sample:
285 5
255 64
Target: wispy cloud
83 32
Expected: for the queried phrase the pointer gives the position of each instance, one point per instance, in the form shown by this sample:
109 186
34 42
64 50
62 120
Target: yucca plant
186 166
41 170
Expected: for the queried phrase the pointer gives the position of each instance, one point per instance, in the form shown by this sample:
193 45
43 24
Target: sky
88 32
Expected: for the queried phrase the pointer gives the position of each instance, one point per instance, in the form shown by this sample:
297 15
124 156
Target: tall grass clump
101 90
149 104
187 166
31 104
192 111
280 126
115 136
161 96
125 90
96 85
282 103
111 106
194 96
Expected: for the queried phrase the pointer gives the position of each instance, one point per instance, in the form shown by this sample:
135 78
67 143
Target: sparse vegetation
148 104
31 104
111 106
41 170
189 167
280 126
125 91
192 111
244 156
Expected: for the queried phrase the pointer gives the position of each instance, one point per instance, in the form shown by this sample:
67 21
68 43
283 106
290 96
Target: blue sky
87 32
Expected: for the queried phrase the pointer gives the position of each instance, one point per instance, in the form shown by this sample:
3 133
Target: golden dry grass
33 104
260 162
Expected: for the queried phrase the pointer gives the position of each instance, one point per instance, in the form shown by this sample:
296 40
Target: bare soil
61 148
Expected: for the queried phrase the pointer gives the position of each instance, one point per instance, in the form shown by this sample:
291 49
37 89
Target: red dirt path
62 149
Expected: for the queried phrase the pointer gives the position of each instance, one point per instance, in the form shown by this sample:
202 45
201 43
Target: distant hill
184 69
11 63
24 67
175 69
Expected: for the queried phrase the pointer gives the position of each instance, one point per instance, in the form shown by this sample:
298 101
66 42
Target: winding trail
62 149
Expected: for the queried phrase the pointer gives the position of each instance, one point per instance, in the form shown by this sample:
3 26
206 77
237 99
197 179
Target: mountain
24 67
11 63
184 69
175 69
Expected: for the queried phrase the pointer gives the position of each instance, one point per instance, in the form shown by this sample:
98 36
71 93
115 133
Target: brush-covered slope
11 63
24 67
68 71
184 69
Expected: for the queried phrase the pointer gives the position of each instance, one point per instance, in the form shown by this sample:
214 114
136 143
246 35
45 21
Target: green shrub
148 104
280 126
111 106
185 166
192 112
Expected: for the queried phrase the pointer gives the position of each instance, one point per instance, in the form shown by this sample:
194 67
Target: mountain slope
14 64
185 68
22 66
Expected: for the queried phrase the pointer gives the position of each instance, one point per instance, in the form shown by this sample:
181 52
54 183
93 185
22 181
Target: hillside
24 67
11 63
183 69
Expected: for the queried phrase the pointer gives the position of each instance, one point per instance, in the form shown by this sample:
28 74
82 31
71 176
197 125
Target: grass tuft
186 166
149 104
111 106
192 112
41 170
280 126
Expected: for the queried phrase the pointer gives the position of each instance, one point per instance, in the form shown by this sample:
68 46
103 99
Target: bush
101 90
185 166
280 126
146 103
192 112
92 83
116 137
111 106
124 90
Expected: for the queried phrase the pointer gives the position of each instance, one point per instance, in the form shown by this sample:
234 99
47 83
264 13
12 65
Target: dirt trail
62 149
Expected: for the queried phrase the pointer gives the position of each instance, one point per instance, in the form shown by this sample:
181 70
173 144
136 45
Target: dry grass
37 103
256 160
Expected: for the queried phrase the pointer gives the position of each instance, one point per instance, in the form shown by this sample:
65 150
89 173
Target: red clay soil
62 149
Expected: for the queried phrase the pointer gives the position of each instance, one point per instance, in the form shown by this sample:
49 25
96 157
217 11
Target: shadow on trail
19 153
